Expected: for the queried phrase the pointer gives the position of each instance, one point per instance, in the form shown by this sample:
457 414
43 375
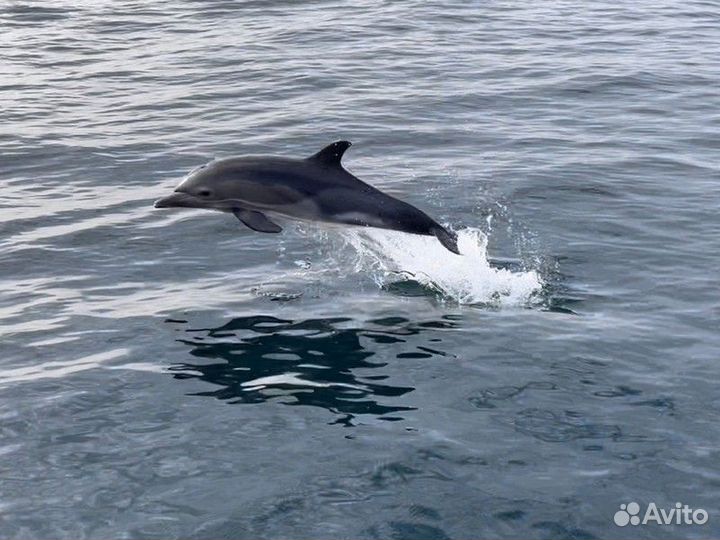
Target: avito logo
681 514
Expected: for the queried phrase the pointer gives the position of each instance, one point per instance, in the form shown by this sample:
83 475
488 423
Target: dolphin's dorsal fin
331 155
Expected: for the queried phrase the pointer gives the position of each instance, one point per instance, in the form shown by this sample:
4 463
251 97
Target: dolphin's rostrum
317 188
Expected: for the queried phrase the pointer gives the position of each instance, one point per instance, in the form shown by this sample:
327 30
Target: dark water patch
37 12
549 426
314 362
487 398
412 288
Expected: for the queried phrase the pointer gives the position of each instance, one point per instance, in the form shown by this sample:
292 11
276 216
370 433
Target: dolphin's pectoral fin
257 221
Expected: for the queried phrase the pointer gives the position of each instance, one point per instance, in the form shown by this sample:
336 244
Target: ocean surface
172 374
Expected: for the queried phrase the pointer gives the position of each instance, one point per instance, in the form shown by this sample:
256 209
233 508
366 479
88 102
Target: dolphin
316 188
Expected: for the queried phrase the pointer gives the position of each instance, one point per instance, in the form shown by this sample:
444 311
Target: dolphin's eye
204 193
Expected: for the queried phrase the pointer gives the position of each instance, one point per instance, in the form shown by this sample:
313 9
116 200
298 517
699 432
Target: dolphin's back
300 174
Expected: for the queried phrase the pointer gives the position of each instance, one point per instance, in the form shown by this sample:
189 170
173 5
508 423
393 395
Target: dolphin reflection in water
312 362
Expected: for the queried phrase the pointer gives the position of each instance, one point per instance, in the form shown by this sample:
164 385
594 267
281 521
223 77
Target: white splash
467 279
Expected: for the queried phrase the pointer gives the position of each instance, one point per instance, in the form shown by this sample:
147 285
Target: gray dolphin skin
316 188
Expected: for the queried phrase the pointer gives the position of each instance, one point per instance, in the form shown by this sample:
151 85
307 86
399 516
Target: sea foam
391 257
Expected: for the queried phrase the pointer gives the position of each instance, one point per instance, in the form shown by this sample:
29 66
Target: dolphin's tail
447 238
